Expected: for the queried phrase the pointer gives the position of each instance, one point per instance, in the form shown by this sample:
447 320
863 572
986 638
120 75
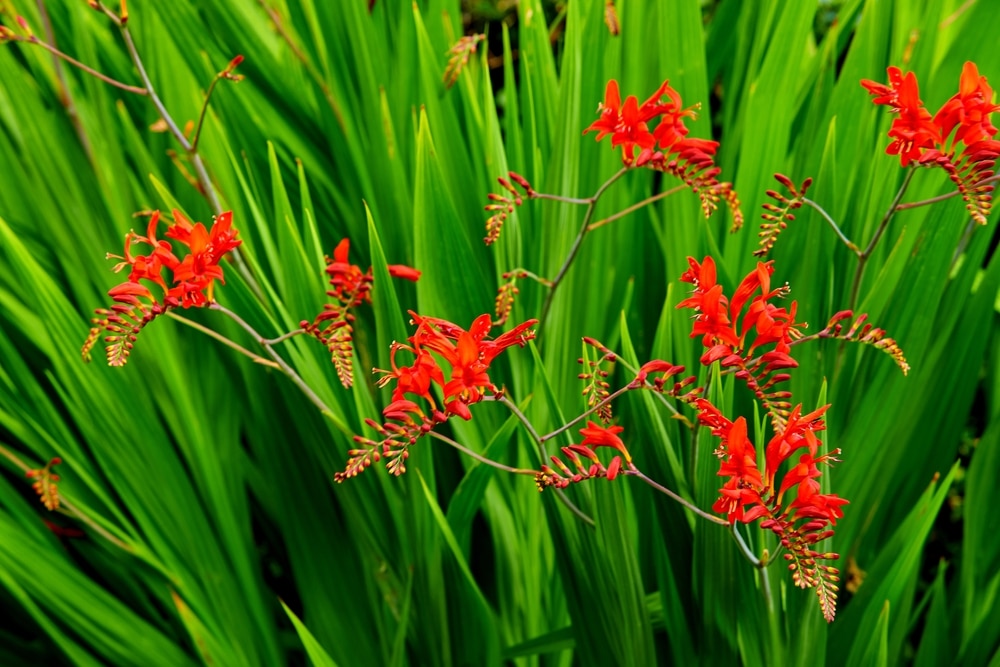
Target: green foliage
202 478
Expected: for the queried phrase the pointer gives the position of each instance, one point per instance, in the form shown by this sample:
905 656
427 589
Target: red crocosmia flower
467 353
712 321
799 431
810 504
404 272
595 435
733 499
415 379
887 95
741 458
348 280
969 109
913 130
196 273
626 124
614 467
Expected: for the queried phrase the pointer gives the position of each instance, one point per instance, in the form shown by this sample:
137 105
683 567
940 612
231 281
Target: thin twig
512 406
257 359
744 548
65 96
826 216
883 224
592 204
592 410
85 68
201 116
686 503
479 457
565 200
288 370
283 337
563 498
635 207
949 195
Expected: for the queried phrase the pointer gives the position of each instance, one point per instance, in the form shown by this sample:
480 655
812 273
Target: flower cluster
666 147
186 282
750 493
351 287
590 466
438 347
935 140
45 484
734 338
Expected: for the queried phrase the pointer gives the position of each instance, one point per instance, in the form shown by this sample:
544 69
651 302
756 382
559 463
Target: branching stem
282 364
632 470
591 204
635 207
826 216
568 425
84 68
479 457
883 224
257 359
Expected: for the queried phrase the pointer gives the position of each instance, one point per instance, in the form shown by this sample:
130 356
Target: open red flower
626 124
969 109
595 435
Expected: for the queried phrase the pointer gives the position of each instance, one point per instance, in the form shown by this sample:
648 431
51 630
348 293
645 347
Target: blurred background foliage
202 482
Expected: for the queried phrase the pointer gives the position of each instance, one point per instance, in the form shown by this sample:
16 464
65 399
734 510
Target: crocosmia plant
450 340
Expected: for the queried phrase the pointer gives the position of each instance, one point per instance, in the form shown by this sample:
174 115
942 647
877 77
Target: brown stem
257 359
285 368
632 470
577 242
883 224
85 68
479 457
949 195
578 419
65 96
636 207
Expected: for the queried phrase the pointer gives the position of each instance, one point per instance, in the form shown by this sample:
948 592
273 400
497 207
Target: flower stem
635 207
257 359
591 205
479 457
65 96
207 188
85 68
282 364
826 216
201 116
563 498
581 417
756 562
883 224
565 200
283 337
516 411
686 503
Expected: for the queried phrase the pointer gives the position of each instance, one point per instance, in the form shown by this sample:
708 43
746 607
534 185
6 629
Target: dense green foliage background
203 482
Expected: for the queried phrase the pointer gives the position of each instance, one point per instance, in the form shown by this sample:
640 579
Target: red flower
626 125
404 272
740 462
468 355
595 435
969 109
351 286
912 130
